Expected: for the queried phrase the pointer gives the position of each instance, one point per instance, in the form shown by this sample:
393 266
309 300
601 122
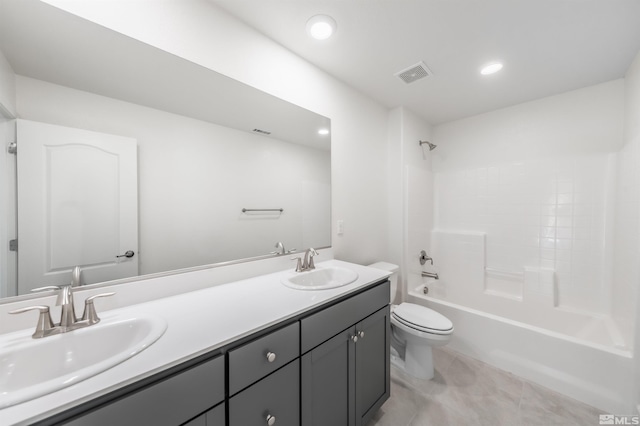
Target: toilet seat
422 319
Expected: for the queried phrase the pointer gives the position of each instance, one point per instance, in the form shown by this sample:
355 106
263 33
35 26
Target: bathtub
581 356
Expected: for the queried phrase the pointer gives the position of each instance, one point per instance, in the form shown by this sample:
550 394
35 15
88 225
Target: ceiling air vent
414 72
262 132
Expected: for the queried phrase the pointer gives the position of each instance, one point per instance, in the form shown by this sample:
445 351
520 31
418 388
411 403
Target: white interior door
77 205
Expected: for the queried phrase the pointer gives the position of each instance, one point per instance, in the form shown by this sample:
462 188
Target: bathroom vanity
321 359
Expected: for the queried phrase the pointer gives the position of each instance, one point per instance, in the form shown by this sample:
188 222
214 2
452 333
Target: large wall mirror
123 148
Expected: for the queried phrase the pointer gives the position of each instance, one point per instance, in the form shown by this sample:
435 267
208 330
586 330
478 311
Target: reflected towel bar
262 210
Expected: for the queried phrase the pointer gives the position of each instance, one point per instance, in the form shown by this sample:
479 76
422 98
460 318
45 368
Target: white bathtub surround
536 219
542 215
230 309
540 286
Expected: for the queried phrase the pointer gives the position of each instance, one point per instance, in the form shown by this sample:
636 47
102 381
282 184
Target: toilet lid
420 317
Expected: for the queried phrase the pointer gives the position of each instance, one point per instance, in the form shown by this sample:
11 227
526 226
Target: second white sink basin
320 278
30 368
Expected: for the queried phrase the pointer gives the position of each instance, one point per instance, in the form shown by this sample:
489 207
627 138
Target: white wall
7 88
539 179
200 32
626 296
189 214
410 194
7 178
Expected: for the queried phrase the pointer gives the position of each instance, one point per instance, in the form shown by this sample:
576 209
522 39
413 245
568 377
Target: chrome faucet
281 250
430 275
306 263
308 259
68 319
65 300
75 276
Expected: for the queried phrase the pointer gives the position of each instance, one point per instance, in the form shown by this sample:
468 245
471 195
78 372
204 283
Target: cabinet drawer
251 362
277 395
213 417
325 324
169 403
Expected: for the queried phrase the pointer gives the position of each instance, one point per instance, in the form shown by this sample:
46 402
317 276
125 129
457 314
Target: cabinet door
328 382
372 364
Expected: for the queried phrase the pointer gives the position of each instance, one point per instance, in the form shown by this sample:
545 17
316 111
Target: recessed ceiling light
323 132
491 68
321 27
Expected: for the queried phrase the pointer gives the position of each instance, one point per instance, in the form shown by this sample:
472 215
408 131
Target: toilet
415 330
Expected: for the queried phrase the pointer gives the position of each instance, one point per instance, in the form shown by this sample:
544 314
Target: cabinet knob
361 334
354 338
271 420
271 357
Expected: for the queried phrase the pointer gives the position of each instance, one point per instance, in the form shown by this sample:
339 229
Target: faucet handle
90 315
45 324
46 288
60 300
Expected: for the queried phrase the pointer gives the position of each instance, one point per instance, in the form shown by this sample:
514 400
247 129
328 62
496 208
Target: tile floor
465 391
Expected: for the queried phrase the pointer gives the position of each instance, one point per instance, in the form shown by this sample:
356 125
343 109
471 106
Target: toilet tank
393 279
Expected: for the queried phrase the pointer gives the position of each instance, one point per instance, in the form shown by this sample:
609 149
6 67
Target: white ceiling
547 46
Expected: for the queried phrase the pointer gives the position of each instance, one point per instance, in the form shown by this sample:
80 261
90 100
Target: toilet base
418 361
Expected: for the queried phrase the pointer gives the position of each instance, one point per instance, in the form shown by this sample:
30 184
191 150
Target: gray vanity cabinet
327 372
326 367
345 379
372 365
213 417
264 380
169 402
273 400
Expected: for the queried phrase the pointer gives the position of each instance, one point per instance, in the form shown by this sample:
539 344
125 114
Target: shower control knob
271 356
271 420
360 334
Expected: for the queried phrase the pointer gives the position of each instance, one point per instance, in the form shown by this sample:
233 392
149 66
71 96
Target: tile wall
539 213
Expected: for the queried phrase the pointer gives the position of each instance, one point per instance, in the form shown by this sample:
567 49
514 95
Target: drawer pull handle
361 334
271 420
271 357
355 339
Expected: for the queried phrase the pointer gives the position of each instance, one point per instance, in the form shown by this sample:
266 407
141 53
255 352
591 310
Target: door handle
128 253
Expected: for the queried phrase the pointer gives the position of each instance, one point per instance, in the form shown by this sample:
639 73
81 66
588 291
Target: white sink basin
30 368
321 278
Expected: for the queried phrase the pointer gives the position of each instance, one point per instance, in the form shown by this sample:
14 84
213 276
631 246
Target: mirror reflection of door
77 205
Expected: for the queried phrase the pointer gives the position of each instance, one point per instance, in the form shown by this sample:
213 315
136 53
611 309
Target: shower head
431 146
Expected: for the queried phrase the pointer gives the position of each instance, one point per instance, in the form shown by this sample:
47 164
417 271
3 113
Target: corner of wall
7 89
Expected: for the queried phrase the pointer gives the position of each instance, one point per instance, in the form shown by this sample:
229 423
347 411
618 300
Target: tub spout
430 275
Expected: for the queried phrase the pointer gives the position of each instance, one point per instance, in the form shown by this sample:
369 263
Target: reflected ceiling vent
262 132
414 73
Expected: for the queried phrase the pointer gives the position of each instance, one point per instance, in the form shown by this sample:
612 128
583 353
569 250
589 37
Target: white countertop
198 322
